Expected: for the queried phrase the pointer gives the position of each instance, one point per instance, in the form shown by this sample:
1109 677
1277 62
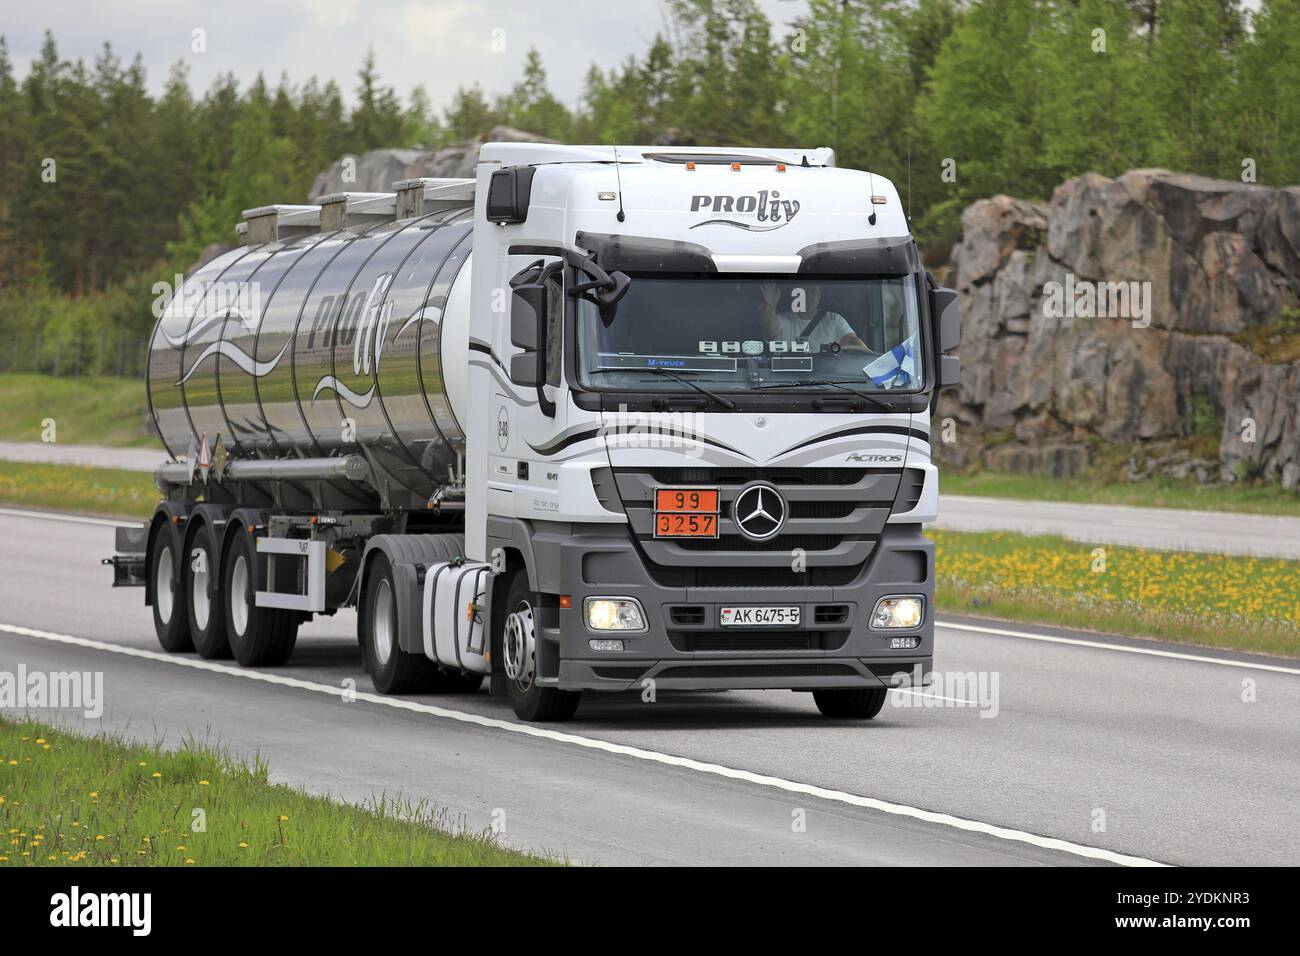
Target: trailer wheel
393 670
258 636
531 701
857 704
206 609
169 614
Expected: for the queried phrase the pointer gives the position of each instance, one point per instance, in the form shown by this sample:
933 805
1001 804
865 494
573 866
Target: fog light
605 644
613 614
902 643
897 612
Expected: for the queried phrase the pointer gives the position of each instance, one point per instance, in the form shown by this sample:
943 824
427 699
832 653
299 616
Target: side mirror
945 314
528 332
946 308
527 310
524 369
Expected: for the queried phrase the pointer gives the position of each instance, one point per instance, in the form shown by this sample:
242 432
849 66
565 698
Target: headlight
897 612
613 614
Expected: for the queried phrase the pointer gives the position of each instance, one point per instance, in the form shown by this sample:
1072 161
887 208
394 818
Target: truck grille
834 518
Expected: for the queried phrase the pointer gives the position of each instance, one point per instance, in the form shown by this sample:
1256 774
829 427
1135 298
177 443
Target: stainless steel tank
322 345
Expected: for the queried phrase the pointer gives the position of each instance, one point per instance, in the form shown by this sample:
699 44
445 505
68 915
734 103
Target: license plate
686 512
763 616
686 526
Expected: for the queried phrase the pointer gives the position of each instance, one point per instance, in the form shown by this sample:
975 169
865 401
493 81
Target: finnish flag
895 368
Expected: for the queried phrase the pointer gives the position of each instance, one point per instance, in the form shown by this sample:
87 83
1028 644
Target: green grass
1148 493
1224 601
78 488
86 411
67 800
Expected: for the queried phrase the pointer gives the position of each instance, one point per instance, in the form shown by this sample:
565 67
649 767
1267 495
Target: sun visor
644 254
896 256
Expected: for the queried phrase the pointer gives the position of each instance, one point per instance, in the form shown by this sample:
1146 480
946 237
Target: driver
819 328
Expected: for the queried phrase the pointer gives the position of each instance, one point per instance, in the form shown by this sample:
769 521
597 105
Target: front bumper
685 648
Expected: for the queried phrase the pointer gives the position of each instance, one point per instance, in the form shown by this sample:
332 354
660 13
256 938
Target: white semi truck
600 419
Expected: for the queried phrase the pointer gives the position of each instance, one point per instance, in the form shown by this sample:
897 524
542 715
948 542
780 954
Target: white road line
921 693
1177 655
651 756
72 519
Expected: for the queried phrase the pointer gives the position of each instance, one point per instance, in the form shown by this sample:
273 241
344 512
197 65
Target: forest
106 189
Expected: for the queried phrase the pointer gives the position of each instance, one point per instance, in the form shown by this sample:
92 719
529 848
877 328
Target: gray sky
439 43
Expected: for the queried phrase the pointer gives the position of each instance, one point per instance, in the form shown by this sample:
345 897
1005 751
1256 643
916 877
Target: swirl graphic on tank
367 345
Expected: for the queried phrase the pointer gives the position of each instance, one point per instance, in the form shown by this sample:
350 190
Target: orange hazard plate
686 512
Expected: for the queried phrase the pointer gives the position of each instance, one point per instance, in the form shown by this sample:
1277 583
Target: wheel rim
520 646
162 585
383 624
239 596
199 599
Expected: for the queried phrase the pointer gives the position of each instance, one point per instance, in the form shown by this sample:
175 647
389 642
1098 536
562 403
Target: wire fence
120 354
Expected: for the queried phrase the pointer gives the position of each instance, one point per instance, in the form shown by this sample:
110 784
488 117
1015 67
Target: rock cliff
1155 313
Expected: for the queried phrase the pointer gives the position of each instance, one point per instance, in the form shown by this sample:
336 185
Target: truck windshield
735 332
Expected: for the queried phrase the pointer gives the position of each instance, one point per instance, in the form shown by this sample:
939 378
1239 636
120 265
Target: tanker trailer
622 419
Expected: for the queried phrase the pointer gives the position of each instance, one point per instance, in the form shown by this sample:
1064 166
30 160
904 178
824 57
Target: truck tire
857 704
258 636
204 606
170 619
519 645
393 670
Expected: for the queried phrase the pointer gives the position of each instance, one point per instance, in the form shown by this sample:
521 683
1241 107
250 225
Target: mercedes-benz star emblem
759 511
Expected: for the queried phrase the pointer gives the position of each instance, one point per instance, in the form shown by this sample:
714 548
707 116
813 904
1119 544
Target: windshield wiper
669 373
842 386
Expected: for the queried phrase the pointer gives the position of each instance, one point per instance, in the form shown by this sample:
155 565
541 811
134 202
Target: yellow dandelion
156 774
180 849
99 838
94 794
188 862
40 740
243 845
283 818
203 783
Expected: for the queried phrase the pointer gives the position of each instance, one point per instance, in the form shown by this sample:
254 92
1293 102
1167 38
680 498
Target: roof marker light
780 167
690 167
735 167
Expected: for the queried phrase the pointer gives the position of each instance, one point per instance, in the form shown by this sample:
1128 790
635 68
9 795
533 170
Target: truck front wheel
393 670
851 704
531 701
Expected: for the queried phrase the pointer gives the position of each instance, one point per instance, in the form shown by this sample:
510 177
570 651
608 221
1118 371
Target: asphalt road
1164 528
1169 529
1103 750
